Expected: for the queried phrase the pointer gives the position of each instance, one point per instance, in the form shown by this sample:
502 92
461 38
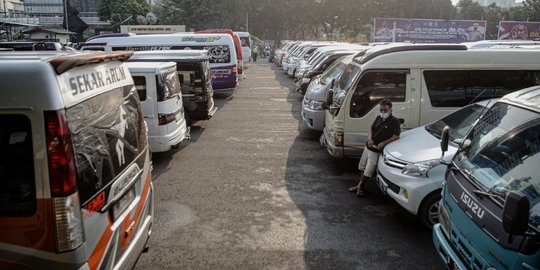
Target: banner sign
428 31
519 30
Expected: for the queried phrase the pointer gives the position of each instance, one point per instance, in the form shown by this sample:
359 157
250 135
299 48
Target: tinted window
374 87
457 88
108 134
245 42
218 53
168 85
17 184
140 85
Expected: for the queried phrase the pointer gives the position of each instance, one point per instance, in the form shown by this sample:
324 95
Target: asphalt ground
253 189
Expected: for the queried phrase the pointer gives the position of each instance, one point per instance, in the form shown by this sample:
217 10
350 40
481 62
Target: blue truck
489 216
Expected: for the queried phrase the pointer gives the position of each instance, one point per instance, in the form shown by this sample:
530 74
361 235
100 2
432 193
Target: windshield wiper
483 193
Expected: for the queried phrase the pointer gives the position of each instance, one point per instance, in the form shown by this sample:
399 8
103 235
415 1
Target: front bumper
328 144
417 188
445 251
313 119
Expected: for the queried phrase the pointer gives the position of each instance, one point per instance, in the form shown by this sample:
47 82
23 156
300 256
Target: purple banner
519 30
428 31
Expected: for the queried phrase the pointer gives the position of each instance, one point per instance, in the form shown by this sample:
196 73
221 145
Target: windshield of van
459 122
108 134
219 54
333 72
502 153
343 85
168 85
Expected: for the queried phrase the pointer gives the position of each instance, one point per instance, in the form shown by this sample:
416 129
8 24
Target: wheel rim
433 213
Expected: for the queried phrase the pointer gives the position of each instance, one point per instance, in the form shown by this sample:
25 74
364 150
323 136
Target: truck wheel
429 209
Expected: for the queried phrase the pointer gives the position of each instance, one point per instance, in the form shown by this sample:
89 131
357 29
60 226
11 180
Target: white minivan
161 102
76 174
409 169
424 83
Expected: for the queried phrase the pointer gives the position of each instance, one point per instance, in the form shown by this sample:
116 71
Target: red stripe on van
126 238
101 247
36 231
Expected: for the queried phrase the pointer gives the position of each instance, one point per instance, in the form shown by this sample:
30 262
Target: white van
424 82
161 102
76 183
195 79
245 41
220 47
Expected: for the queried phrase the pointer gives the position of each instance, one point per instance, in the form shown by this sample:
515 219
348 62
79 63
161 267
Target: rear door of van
112 161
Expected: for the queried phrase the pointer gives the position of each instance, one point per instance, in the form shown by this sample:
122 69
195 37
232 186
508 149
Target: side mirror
444 139
515 216
329 97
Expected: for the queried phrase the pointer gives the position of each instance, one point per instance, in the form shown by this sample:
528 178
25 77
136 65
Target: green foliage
117 11
306 19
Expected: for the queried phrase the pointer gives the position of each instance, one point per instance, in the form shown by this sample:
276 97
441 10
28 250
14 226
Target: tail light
240 67
234 70
63 182
165 118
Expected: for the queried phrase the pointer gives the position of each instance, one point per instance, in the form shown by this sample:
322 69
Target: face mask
385 115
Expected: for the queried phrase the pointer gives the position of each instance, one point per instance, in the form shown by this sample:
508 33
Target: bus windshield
502 153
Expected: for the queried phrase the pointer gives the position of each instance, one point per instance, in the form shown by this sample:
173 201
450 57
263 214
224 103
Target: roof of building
49 30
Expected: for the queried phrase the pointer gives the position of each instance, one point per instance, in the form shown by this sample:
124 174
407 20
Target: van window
219 54
245 41
17 184
108 134
376 86
140 85
168 85
457 88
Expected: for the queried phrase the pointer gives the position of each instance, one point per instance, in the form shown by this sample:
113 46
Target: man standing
255 53
384 130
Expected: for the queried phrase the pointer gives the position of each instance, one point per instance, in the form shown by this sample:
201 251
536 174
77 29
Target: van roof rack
64 63
392 48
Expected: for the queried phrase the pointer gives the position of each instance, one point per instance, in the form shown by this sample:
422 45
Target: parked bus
237 47
223 59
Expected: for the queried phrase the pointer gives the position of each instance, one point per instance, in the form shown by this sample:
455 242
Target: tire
428 212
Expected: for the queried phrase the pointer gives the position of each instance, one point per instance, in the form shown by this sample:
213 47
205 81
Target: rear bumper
166 142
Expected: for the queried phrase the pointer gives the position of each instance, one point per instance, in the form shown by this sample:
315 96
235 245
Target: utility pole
65 15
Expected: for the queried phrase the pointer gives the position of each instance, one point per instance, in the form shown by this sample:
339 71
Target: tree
116 11
531 10
469 10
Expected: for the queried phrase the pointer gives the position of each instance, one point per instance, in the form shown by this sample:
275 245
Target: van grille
467 254
393 162
393 187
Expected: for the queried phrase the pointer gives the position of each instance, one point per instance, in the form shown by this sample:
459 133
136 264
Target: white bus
223 60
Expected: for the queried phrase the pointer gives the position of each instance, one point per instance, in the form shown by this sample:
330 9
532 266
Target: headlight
316 105
337 138
420 169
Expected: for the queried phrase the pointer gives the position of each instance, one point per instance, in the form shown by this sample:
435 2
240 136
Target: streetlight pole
65 15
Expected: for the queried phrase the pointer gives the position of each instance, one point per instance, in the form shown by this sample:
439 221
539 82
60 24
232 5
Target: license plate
382 185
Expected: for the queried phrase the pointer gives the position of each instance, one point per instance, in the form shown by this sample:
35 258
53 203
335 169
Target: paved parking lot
253 189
